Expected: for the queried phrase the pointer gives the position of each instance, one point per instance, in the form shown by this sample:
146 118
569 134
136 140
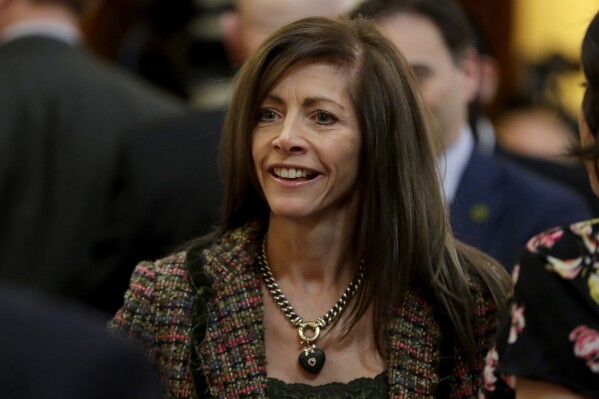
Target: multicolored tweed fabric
199 316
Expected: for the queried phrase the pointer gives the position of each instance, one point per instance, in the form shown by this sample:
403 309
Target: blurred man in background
61 114
55 349
495 206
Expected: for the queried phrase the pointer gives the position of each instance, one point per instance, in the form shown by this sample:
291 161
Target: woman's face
587 139
306 144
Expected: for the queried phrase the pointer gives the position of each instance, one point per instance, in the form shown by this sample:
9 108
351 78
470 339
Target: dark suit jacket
572 175
499 206
61 112
55 350
171 190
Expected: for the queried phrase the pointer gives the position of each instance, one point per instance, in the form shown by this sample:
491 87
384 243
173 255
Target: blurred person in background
171 190
494 205
55 349
61 113
538 138
157 44
548 347
246 27
535 137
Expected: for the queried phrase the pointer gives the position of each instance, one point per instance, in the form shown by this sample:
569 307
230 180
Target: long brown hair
402 233
590 102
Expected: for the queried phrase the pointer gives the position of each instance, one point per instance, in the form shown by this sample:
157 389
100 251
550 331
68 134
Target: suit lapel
478 206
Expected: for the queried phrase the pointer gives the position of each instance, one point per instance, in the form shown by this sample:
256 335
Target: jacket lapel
233 357
233 353
413 350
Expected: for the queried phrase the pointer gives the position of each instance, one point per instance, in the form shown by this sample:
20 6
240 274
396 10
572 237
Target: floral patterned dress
553 332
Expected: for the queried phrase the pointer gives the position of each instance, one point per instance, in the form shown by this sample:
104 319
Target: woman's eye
267 115
324 118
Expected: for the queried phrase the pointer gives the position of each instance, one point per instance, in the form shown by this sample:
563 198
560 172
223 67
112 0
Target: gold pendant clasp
312 326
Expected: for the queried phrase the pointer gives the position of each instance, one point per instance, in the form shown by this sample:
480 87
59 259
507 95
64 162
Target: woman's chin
290 213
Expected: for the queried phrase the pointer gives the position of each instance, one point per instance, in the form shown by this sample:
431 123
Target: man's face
446 85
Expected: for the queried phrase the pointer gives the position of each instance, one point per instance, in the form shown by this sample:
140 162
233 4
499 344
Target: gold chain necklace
311 358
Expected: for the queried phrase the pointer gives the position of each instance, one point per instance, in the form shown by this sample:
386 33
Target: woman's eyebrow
308 101
315 100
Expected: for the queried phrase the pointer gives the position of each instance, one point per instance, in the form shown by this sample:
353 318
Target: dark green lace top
360 388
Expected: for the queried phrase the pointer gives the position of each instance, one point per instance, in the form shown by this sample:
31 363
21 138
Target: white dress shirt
453 162
59 30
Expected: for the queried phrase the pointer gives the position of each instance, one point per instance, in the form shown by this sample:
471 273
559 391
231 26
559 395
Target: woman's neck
313 266
320 253
313 260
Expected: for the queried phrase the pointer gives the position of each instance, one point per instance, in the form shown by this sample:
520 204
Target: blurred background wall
550 29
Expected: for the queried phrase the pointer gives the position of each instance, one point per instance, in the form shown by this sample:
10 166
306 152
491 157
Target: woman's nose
290 138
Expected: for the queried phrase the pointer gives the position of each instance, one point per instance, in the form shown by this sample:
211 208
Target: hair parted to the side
402 232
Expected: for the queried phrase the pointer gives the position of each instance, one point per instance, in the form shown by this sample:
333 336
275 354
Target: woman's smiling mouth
293 173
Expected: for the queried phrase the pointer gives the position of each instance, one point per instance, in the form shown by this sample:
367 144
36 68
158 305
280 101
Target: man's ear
231 35
489 78
470 65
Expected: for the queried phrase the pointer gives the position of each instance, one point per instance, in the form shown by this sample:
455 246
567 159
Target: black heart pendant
313 360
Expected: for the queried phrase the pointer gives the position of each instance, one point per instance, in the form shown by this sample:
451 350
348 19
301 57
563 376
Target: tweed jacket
199 315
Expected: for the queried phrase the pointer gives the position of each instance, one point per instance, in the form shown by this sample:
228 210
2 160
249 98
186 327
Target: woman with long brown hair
334 272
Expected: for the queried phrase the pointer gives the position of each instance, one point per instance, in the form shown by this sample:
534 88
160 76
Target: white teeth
290 173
